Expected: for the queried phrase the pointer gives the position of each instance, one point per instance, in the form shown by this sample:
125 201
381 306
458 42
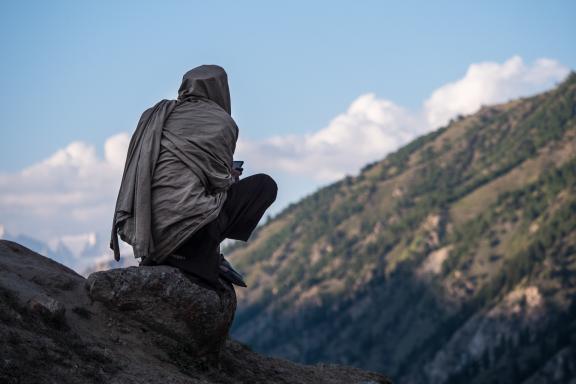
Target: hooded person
180 195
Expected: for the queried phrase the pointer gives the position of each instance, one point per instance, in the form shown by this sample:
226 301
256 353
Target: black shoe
229 274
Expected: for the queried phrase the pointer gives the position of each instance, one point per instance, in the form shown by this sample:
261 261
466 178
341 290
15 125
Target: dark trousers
245 204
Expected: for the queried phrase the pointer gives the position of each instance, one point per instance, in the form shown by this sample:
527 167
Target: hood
207 81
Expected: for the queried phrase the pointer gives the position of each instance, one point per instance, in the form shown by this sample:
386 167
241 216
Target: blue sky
77 70
318 88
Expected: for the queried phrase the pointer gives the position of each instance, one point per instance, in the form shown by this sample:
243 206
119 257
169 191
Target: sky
318 89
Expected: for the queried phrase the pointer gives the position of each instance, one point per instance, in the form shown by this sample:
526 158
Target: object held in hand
237 169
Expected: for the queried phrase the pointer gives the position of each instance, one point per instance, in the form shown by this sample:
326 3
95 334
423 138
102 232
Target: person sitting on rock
180 195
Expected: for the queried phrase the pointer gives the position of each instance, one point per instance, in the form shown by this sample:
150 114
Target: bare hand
236 172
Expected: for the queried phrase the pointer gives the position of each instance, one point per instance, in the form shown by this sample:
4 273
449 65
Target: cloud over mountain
491 83
68 195
372 127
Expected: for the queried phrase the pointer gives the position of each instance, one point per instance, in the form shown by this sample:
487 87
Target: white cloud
115 150
491 83
369 129
66 195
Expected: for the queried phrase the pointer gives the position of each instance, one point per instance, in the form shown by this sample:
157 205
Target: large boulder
171 303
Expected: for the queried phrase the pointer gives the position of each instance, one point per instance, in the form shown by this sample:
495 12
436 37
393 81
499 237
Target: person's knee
268 185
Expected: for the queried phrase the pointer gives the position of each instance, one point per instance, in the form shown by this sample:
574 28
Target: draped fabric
178 167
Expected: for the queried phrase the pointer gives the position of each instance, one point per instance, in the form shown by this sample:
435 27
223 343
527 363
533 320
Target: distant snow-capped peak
80 245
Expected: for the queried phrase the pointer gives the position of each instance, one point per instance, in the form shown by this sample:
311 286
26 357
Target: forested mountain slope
451 260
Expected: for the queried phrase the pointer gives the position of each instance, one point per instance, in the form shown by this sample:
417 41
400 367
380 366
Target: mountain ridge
460 226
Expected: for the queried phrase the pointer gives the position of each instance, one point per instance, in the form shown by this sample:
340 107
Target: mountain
130 325
452 260
86 252
58 251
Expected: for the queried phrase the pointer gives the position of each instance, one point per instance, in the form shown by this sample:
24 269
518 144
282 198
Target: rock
129 326
166 300
48 308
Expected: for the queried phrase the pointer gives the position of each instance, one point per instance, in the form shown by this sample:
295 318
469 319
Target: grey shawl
178 167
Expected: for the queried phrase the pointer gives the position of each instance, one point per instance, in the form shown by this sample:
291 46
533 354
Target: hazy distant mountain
59 252
453 260
84 253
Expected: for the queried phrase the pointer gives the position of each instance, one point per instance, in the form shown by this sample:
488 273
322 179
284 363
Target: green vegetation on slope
387 269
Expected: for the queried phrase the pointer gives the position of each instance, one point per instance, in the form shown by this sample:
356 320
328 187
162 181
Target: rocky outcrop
133 325
164 299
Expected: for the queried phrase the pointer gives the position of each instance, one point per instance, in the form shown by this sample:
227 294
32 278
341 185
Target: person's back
189 198
194 166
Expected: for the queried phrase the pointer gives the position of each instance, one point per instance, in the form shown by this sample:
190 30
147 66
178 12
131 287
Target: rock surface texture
133 325
164 299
